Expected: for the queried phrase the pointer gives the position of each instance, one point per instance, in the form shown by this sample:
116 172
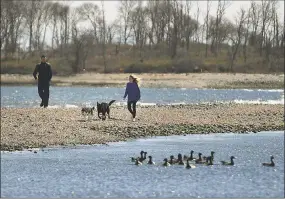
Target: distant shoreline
154 80
24 128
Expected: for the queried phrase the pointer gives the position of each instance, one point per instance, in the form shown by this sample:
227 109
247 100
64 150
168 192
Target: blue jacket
133 92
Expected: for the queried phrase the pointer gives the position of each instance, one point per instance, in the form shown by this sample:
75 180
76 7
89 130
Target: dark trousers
132 107
43 90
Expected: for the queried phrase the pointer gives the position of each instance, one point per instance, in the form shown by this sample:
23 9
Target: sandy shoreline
35 127
191 80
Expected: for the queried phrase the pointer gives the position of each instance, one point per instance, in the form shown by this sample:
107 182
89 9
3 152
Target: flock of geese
181 160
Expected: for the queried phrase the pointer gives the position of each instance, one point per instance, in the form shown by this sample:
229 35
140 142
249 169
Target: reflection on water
106 171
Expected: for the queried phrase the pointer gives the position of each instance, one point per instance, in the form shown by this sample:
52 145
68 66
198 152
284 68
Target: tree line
172 24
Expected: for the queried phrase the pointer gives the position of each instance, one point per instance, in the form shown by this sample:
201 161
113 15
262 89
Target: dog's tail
111 102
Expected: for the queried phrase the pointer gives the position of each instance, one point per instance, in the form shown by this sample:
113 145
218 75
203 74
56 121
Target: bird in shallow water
229 163
191 156
271 164
133 159
150 160
144 157
138 162
189 166
212 155
185 157
166 163
180 160
199 160
172 160
209 161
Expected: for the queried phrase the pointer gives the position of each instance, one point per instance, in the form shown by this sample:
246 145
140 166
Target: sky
234 6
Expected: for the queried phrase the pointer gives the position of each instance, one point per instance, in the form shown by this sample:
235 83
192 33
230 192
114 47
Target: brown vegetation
160 37
205 80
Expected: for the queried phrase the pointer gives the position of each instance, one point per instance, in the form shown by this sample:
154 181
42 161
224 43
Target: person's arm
50 72
36 71
126 91
139 93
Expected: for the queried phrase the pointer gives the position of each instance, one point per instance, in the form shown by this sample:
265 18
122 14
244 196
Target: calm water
106 171
27 96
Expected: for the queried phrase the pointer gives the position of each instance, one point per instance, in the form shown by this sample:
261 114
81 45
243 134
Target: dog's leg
99 116
108 112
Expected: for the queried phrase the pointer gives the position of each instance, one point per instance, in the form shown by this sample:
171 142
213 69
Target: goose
165 164
185 157
191 155
150 160
271 164
138 162
199 160
229 163
133 159
180 160
172 160
144 157
189 166
212 155
209 161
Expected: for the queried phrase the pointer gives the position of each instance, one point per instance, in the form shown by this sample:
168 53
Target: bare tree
13 13
197 19
104 36
222 5
236 36
246 35
207 26
4 22
125 9
91 12
82 41
33 10
265 12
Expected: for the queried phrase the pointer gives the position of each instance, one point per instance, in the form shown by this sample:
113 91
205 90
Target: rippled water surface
27 96
106 171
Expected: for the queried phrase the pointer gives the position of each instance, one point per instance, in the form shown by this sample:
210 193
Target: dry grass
193 80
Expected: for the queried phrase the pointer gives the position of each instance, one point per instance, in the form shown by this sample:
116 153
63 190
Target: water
106 171
27 96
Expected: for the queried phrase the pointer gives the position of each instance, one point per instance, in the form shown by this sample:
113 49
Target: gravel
24 128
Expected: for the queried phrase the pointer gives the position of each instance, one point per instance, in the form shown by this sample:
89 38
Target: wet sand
23 128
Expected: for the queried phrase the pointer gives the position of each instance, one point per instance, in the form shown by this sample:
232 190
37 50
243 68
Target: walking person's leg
130 108
41 93
46 95
134 109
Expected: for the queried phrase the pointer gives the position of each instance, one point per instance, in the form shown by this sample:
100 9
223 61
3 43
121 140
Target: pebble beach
24 128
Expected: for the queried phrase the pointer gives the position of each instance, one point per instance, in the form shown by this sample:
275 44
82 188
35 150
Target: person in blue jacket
133 93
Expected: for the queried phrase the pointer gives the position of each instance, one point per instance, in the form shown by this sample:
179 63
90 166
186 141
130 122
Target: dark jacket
133 92
45 72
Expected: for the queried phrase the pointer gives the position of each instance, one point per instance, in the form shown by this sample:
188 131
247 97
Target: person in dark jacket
44 72
134 95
